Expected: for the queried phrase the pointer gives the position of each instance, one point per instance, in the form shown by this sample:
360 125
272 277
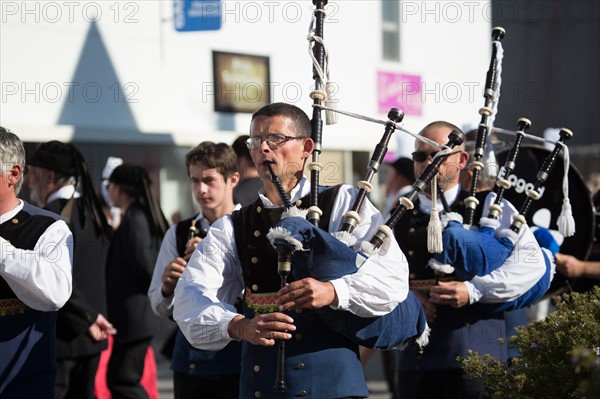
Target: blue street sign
194 15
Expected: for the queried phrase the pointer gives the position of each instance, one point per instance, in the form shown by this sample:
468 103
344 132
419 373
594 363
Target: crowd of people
82 267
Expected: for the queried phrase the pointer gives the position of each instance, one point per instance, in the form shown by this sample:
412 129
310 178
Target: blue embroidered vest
319 363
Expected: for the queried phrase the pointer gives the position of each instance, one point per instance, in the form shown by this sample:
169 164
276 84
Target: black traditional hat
404 167
57 156
66 160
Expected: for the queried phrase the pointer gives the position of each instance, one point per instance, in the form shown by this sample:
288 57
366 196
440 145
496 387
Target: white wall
164 71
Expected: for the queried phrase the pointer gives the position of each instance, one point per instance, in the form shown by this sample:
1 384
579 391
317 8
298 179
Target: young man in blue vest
212 170
237 259
36 252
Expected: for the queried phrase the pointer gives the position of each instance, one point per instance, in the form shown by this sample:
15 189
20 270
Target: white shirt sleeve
518 274
163 306
41 278
208 288
381 283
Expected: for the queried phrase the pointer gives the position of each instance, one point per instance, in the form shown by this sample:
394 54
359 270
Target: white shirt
212 280
41 278
161 305
65 192
518 274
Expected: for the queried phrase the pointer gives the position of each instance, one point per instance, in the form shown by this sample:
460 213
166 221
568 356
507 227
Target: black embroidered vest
23 232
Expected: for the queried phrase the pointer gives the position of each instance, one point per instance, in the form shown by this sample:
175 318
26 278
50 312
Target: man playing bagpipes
236 256
458 322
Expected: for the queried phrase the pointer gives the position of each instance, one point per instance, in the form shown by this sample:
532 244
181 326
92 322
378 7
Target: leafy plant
560 355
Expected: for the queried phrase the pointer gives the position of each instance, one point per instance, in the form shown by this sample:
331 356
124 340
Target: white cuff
343 294
227 317
474 294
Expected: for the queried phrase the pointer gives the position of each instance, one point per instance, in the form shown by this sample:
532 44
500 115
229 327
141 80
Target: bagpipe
316 253
471 252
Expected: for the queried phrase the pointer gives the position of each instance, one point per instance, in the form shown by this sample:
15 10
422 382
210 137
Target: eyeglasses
273 140
421 156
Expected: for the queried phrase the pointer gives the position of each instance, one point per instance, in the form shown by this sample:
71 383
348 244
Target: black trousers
125 369
75 377
194 387
446 384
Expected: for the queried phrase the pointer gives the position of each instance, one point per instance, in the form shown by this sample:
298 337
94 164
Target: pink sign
399 90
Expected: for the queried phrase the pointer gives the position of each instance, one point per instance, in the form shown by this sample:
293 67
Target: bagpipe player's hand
262 329
307 293
569 266
452 293
428 307
190 247
170 276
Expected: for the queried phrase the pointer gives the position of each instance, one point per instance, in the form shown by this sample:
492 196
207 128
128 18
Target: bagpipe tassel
566 222
434 229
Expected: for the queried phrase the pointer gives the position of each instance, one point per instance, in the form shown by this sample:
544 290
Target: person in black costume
129 272
59 181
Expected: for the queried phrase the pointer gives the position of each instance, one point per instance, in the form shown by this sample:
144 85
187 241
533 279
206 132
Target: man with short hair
212 170
36 253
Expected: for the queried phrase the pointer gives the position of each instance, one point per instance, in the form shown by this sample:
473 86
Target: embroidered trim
12 306
425 285
261 303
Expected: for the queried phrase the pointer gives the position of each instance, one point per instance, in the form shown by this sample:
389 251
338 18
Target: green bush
560 355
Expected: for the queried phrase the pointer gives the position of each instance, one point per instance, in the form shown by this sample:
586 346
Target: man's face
287 159
209 187
449 170
40 182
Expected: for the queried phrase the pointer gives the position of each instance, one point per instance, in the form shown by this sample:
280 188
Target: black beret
404 167
57 156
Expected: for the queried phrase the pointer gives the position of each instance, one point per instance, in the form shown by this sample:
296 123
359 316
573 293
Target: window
390 29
